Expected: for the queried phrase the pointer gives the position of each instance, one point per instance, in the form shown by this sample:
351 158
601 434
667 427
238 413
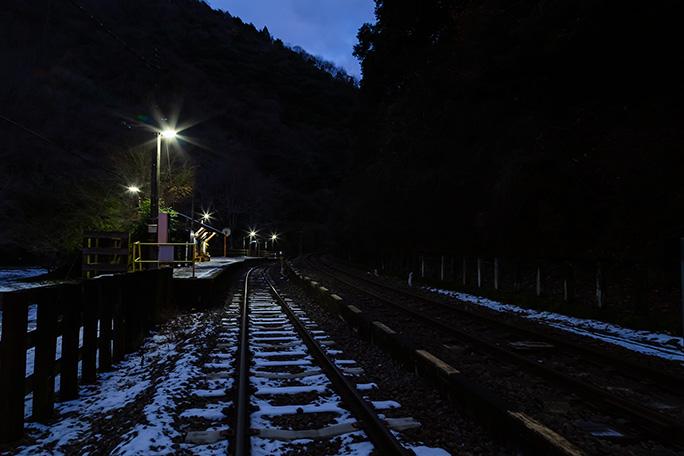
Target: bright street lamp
154 192
273 240
252 235
153 227
135 191
168 133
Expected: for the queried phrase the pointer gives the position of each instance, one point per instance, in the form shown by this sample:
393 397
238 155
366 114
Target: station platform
210 281
207 269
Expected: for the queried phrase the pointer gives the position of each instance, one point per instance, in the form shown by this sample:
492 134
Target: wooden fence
630 286
99 320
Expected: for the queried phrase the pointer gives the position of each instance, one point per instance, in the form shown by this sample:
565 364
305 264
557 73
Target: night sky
323 28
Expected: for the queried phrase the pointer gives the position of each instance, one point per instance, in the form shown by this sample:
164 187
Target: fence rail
167 253
92 323
629 286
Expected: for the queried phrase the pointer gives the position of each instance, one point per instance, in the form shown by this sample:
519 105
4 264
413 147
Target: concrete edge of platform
202 292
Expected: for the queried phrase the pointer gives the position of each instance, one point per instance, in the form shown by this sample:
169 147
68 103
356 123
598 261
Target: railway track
582 393
284 387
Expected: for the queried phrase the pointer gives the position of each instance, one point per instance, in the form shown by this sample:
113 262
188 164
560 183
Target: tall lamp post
273 240
153 227
154 187
252 234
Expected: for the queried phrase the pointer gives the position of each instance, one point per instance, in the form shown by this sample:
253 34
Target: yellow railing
138 254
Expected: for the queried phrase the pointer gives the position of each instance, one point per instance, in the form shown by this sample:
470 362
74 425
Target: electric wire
101 25
154 66
57 146
121 42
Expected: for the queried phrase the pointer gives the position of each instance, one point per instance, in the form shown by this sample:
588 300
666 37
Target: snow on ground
148 387
10 278
145 388
653 344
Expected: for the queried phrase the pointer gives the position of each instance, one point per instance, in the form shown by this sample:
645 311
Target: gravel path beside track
138 408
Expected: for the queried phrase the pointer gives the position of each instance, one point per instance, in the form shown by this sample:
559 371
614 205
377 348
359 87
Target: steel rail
241 446
376 430
666 380
656 424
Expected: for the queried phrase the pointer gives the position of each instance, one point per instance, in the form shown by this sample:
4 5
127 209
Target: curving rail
242 433
650 421
375 428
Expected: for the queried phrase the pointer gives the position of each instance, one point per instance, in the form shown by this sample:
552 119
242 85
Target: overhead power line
57 146
153 65
101 25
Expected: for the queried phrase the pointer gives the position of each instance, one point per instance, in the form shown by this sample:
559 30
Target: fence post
600 285
479 272
568 283
166 292
119 331
73 304
130 298
110 295
156 301
441 275
13 365
155 298
136 304
149 287
496 274
540 280
46 348
91 307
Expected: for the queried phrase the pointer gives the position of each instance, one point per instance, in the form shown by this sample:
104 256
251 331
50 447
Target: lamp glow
168 134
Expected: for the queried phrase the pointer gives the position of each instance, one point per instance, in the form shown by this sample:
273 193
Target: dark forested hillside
84 86
521 127
545 128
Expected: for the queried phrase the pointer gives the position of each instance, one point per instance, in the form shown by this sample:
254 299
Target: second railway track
582 396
